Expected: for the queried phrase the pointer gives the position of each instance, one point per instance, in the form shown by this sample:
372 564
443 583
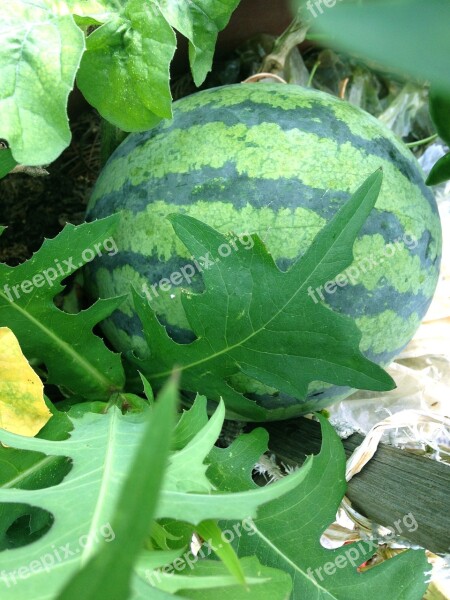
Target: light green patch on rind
112 285
386 332
293 155
246 385
124 278
122 340
286 232
376 260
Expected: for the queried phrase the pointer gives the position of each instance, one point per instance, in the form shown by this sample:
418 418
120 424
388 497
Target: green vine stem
422 142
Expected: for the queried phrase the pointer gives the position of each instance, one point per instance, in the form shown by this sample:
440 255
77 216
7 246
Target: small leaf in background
22 406
286 535
200 22
40 52
75 358
108 573
440 113
190 423
284 343
407 36
124 72
231 468
440 171
7 162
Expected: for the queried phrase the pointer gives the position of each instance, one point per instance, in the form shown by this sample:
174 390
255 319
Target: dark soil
37 207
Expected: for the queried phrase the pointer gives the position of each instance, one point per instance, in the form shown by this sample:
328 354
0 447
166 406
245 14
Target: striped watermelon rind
278 160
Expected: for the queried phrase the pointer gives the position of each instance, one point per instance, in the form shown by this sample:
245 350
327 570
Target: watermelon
279 160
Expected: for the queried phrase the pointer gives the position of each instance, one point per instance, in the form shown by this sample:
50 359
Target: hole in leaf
22 524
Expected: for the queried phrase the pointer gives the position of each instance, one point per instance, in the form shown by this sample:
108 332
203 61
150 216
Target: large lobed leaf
260 321
102 448
40 51
76 359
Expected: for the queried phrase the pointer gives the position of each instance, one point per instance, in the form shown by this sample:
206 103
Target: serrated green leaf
40 51
388 32
286 535
190 423
200 22
440 171
148 390
260 321
109 572
102 449
75 358
124 72
231 468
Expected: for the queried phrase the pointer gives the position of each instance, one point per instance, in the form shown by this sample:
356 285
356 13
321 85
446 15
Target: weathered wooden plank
394 483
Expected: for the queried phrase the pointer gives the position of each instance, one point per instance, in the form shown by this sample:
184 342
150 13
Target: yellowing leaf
22 406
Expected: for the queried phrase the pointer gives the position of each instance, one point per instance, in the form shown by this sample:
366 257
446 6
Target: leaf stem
313 72
422 142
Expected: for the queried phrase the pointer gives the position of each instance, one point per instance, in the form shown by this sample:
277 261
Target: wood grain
394 483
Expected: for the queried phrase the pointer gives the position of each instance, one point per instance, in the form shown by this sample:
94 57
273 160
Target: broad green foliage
103 502
285 343
75 358
40 52
117 468
124 72
286 535
89 502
